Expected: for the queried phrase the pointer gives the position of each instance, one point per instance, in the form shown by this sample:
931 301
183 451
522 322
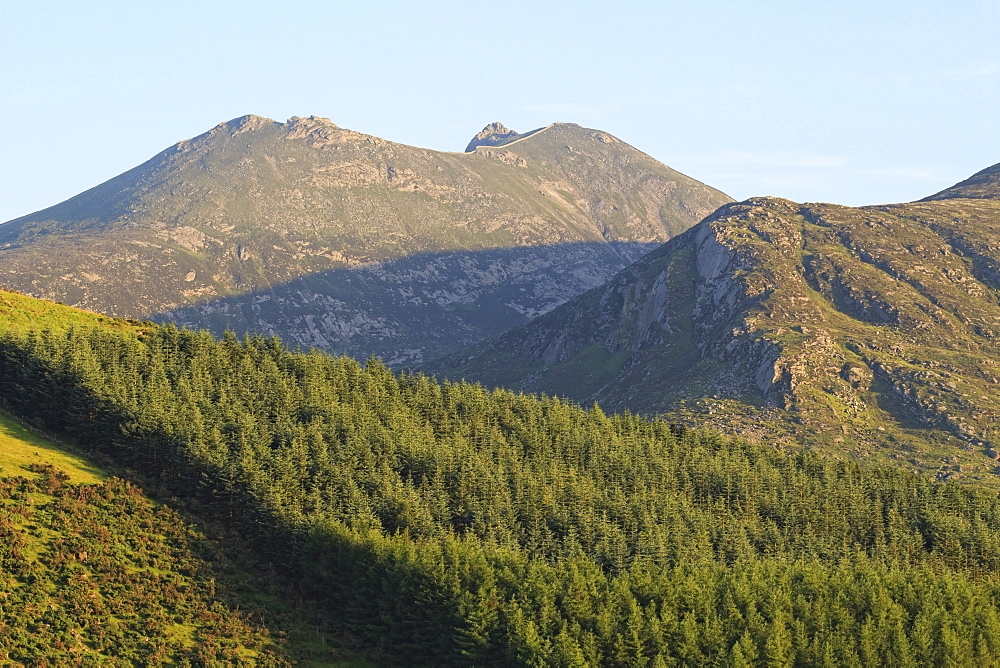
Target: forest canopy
442 522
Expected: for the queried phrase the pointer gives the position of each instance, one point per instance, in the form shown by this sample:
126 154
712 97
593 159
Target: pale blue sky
848 102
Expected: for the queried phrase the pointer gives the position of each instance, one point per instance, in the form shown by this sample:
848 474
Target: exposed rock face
494 134
872 330
337 239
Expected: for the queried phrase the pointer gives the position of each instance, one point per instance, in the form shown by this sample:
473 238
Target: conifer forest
444 523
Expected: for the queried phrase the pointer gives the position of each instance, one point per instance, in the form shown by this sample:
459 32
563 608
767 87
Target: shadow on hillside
417 307
343 581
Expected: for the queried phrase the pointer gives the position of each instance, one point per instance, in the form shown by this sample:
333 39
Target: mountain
344 241
871 330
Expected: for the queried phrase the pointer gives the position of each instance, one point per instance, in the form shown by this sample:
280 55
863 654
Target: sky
851 102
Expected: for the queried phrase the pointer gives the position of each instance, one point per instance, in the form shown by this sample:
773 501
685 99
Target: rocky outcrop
494 134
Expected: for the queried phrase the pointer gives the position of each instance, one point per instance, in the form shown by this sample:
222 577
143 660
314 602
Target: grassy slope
20 448
19 313
100 574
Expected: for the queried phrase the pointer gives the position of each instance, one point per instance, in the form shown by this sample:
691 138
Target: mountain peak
496 128
251 122
984 184
246 122
494 134
311 120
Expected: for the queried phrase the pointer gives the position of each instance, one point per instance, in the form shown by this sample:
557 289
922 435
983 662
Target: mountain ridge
253 203
872 331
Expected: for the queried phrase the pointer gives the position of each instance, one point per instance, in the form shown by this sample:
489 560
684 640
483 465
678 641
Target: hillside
984 184
871 331
97 573
22 450
93 570
446 524
340 240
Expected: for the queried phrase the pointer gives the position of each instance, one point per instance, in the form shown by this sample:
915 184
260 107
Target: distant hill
981 185
873 331
344 241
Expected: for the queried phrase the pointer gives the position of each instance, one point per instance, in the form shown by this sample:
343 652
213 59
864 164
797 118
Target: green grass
19 448
20 313
80 560
247 587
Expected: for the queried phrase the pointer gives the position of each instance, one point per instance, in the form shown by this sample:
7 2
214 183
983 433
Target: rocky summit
496 134
873 331
347 242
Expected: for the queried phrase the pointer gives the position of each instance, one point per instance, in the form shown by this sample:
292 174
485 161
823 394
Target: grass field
20 448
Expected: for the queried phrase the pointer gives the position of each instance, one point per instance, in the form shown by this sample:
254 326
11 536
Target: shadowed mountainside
416 307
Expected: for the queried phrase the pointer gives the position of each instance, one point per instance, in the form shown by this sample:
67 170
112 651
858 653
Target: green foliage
95 573
445 523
